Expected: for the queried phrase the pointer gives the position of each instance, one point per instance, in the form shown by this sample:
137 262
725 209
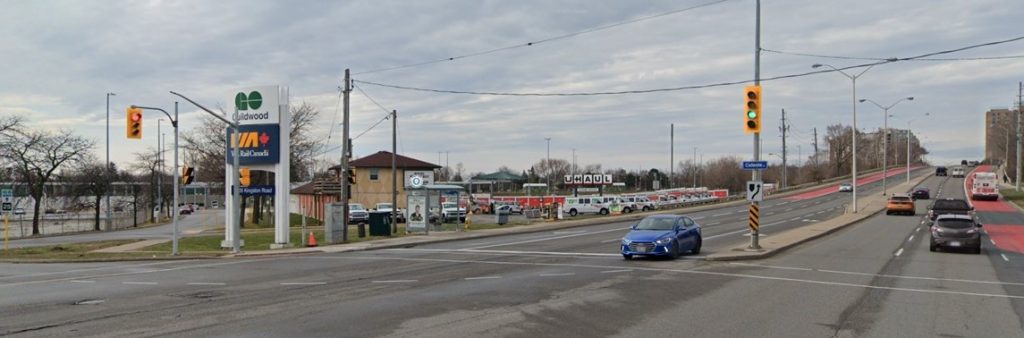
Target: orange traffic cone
312 240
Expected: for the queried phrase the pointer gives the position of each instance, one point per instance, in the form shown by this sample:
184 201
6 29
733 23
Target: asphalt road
876 278
190 224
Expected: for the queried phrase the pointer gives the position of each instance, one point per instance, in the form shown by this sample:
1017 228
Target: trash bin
380 223
501 215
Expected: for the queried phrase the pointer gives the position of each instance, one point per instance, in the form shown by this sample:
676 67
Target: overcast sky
61 57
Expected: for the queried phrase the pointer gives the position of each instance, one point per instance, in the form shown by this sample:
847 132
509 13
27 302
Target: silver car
845 187
956 232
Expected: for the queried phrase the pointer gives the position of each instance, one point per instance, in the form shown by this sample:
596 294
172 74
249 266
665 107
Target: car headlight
626 241
972 231
664 241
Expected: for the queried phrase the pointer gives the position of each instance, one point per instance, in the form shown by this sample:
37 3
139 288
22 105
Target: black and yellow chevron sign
755 217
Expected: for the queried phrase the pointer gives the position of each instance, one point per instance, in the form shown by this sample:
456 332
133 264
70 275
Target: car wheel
626 210
932 247
696 247
887 212
977 251
604 211
572 212
674 253
627 257
646 208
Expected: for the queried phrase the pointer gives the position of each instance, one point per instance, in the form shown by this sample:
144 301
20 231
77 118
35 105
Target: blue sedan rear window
651 223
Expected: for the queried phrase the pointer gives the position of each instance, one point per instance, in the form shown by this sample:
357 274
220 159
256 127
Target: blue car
662 235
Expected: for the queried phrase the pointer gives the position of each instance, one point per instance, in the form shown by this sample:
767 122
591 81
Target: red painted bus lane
1007 237
860 182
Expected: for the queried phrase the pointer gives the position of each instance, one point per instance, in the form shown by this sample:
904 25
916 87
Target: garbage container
501 215
380 223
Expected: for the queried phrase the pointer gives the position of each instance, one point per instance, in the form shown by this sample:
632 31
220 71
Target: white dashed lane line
992 240
303 283
82 281
911 238
616 271
395 281
139 283
484 277
558 274
1004 257
206 284
899 252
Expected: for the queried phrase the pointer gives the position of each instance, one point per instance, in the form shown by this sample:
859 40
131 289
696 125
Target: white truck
984 187
386 207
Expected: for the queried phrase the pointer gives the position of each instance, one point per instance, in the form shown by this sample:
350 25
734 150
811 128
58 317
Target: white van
585 205
958 172
640 203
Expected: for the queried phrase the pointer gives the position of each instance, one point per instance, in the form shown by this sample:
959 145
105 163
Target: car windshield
384 206
954 204
656 223
956 223
900 199
449 205
356 207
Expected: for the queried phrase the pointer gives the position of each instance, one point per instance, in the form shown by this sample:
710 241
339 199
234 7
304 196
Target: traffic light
752 109
351 175
186 175
243 177
134 127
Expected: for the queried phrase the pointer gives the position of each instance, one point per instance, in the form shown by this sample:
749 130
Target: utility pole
754 233
394 172
343 175
1020 91
109 225
160 177
672 154
548 164
785 168
815 148
694 167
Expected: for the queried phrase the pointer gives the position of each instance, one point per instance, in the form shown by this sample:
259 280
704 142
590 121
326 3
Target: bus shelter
421 200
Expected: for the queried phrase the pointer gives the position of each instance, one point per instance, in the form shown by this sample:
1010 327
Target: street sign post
755 165
755 191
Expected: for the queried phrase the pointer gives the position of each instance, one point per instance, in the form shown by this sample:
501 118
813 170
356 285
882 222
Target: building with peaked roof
373 183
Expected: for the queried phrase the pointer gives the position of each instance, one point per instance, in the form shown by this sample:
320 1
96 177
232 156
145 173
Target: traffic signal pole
755 232
174 205
343 172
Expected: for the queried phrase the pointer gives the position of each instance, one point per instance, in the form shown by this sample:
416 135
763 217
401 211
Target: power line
1006 57
703 86
387 113
532 43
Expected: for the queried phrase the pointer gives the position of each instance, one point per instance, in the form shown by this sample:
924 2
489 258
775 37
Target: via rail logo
246 102
257 144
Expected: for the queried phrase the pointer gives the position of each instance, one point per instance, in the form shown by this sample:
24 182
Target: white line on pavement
992 240
139 283
611 240
918 229
484 277
720 215
205 283
395 281
714 273
303 283
911 238
899 252
136 273
713 223
548 238
698 218
558 274
616 271
82 281
740 211
770 266
1004 257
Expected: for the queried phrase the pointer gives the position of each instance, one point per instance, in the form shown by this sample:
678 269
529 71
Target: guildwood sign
258 105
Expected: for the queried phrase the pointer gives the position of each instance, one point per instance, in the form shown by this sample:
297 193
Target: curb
772 252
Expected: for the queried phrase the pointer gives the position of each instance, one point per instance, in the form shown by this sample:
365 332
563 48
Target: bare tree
90 181
147 163
37 155
840 147
552 170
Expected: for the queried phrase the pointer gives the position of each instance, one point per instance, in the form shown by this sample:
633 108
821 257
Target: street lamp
885 139
852 78
107 164
548 139
908 143
174 206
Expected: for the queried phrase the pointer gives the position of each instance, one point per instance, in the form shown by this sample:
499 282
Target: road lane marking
917 229
899 252
562 274
206 284
567 232
303 283
139 283
992 240
616 271
709 273
484 277
713 223
136 272
395 281
87 269
611 240
720 215
514 252
1004 257
911 238
547 238
783 203
771 266
698 218
82 281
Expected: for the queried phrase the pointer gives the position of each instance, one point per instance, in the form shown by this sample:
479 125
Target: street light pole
548 164
174 216
885 138
853 79
109 225
908 144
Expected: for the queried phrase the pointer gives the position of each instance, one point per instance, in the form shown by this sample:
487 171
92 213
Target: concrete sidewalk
868 206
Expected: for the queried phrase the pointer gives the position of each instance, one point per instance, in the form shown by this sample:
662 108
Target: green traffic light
751 114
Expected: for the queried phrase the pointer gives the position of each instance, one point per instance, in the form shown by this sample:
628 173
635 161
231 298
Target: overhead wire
690 87
387 113
533 43
840 57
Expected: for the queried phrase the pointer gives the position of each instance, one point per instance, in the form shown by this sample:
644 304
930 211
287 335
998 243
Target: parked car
19 211
512 207
952 206
585 205
386 207
357 213
185 210
921 194
452 212
642 203
941 171
845 187
956 231
662 235
900 204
